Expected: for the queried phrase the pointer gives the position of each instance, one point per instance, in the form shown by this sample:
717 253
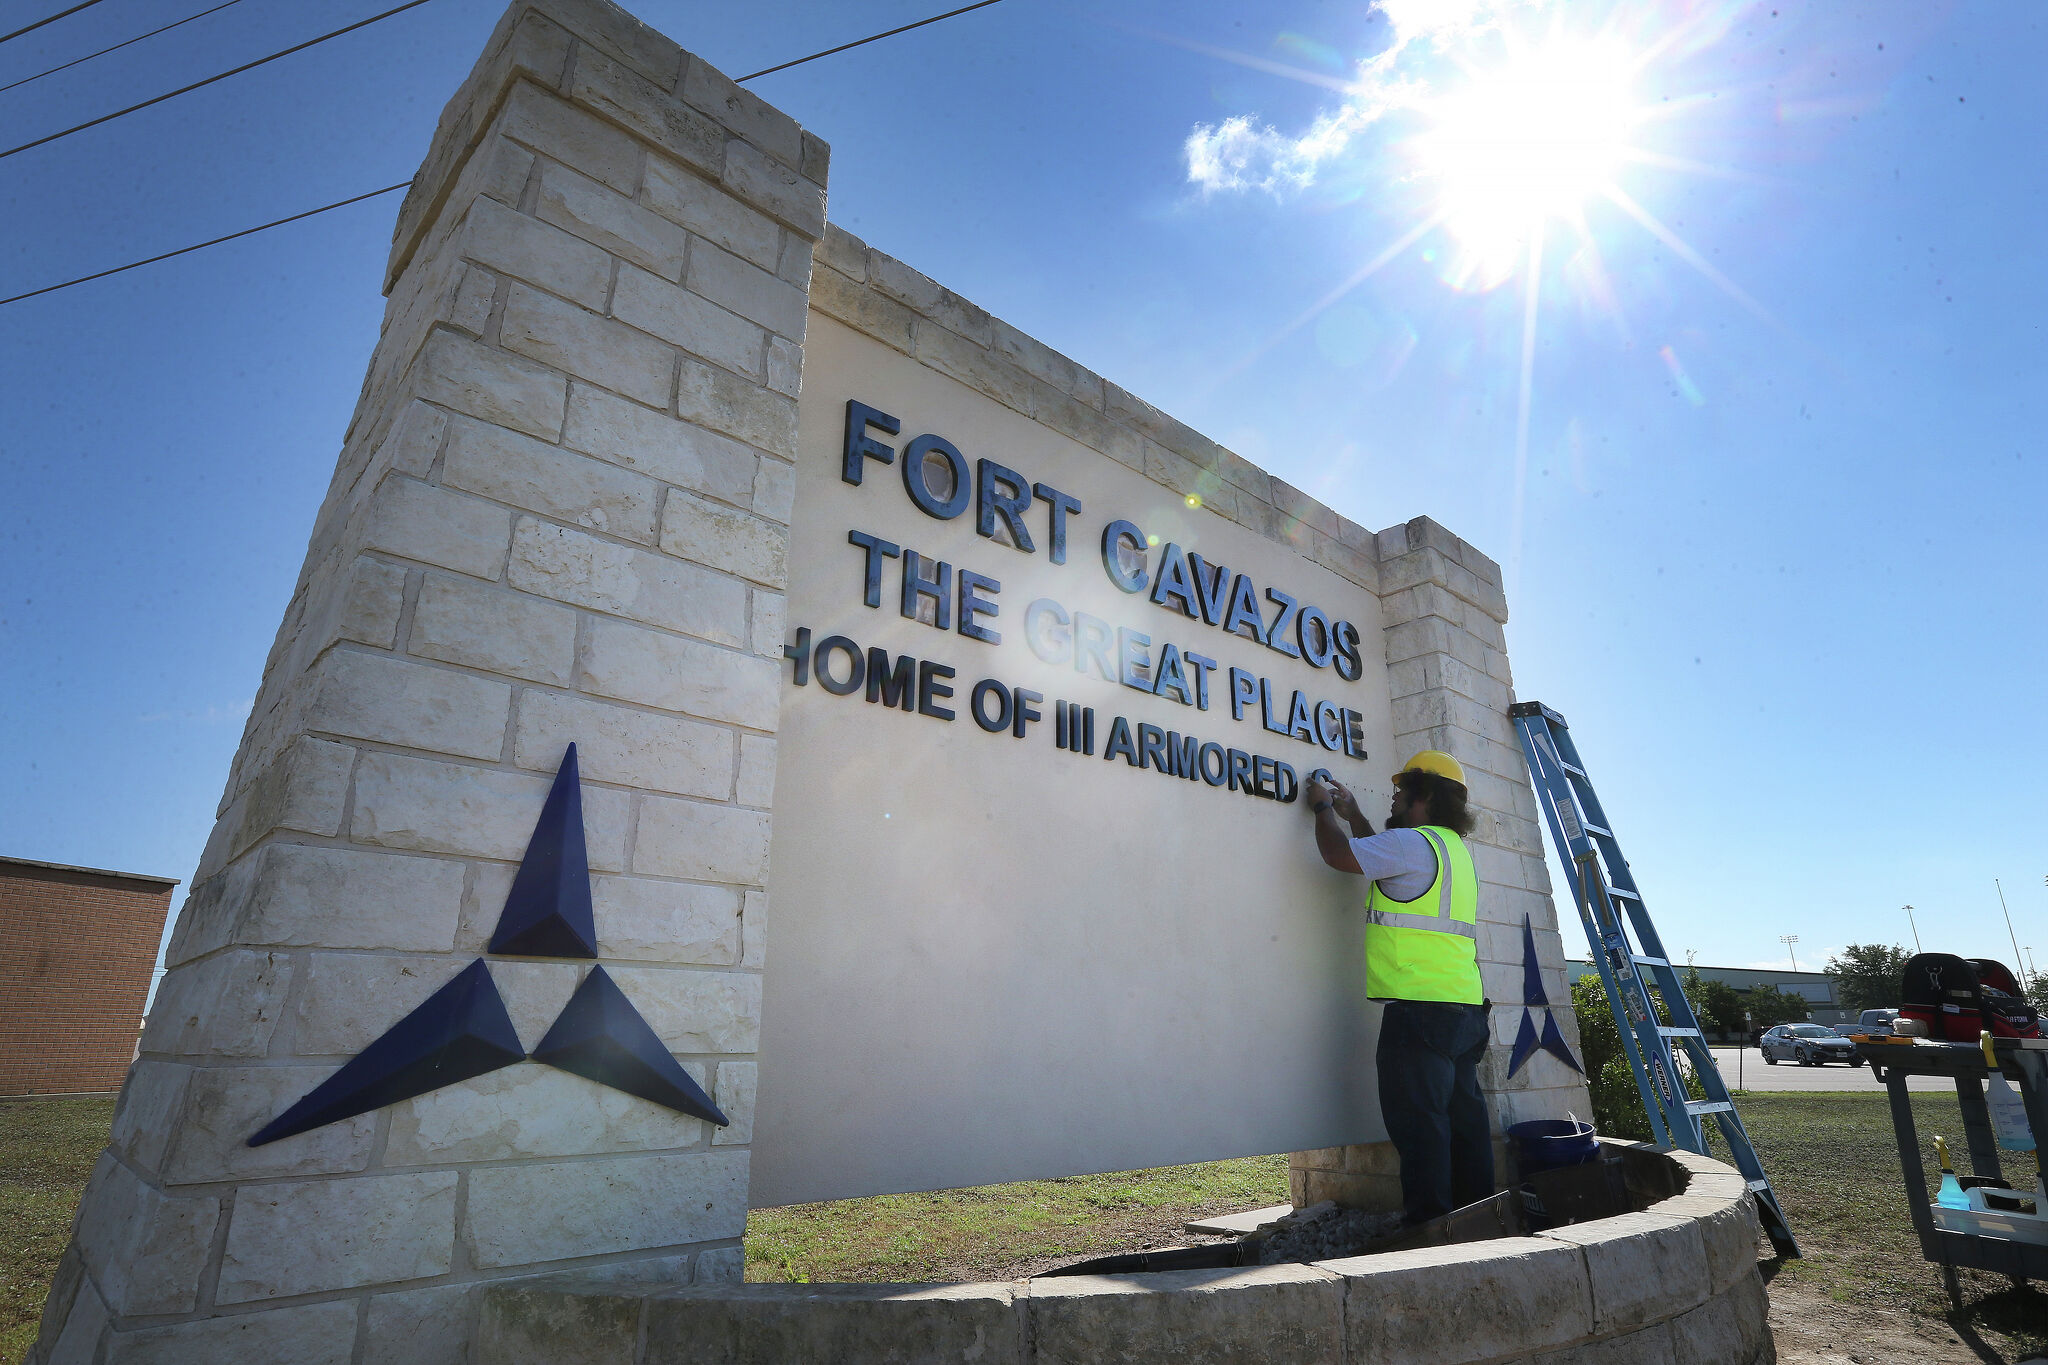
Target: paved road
1755 1075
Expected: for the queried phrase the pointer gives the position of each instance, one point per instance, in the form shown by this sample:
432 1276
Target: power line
872 38
61 14
197 246
343 203
117 46
186 90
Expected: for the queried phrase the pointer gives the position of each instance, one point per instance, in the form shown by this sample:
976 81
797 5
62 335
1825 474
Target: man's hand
1347 804
1325 801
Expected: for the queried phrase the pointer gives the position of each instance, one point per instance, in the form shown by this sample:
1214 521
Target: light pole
1914 927
2008 924
1748 1023
1788 940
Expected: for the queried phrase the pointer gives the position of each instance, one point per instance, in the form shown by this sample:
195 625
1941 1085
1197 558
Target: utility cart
2000 1237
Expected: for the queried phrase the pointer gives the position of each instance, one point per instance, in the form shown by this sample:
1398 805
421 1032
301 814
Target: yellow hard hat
1434 761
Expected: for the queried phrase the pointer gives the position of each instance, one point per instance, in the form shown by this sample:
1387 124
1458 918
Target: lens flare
1681 382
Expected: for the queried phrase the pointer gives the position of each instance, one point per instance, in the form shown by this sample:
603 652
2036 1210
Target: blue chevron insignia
463 1029
1529 1039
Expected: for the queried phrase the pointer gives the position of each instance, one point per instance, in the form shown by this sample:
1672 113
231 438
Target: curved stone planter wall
1676 1284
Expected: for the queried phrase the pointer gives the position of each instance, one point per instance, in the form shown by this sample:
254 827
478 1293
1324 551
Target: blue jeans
1429 1095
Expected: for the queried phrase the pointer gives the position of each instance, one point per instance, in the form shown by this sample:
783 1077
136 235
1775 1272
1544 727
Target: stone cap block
844 252
851 1322
1283 1312
551 1320
1661 1172
1728 1230
636 78
1431 565
1645 1267
1425 533
1513 1296
1304 509
1237 1224
524 43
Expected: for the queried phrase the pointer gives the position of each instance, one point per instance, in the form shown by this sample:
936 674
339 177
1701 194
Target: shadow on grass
2015 1313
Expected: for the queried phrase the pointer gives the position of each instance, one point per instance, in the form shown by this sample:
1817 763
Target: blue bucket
1546 1144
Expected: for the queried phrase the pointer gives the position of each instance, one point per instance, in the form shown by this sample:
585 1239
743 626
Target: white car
1808 1045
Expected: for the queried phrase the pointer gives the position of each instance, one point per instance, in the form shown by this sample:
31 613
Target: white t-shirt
1402 861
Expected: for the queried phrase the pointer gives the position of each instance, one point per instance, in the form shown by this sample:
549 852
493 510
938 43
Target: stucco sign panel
1044 900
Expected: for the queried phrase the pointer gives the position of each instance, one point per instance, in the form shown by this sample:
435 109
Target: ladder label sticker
1567 808
1568 817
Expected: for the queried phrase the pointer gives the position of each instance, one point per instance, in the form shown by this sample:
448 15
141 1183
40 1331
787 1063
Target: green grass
994 1230
1831 1158
47 1148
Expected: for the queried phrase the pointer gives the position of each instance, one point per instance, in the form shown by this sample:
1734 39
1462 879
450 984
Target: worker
1422 960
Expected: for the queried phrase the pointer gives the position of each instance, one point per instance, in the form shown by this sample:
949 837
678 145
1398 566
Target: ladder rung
1760 1184
1571 768
1621 895
1592 828
1667 1031
1642 961
1709 1107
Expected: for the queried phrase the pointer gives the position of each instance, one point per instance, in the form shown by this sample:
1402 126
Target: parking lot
1786 1075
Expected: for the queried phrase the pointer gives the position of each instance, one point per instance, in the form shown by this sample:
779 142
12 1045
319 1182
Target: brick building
76 948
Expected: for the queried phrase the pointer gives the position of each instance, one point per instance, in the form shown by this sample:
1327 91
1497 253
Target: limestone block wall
559 514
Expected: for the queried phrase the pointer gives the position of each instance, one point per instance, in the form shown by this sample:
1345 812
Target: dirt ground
1812 1329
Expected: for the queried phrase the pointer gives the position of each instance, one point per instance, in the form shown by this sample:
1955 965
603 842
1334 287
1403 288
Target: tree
2037 993
1715 1003
1867 975
1719 1004
1617 1104
1769 1006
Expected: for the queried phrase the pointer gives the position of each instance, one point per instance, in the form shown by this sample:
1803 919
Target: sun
1530 141
1503 134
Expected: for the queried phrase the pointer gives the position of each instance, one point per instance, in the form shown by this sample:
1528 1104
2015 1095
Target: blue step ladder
1610 906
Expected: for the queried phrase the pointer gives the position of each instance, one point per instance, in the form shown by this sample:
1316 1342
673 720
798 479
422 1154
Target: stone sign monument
989 685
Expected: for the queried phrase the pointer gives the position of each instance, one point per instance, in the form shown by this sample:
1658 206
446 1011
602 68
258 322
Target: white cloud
1239 154
1246 153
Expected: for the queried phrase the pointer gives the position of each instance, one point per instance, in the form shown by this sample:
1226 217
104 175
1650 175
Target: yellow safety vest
1427 948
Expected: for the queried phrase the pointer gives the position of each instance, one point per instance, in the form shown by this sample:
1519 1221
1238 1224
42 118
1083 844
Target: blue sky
1775 554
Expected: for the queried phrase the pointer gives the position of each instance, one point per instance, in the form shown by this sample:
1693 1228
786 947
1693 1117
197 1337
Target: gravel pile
1322 1232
